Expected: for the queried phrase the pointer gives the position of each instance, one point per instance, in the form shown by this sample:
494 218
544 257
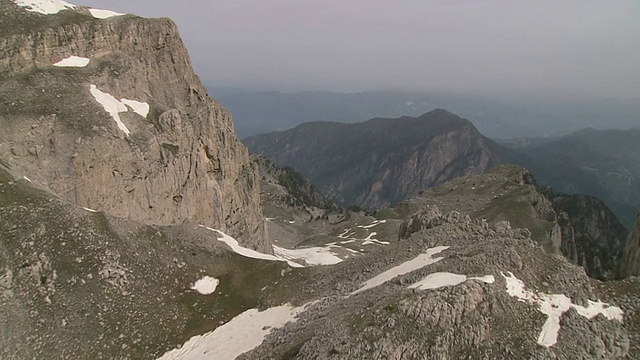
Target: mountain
379 162
498 116
425 281
601 163
579 227
105 112
131 227
631 261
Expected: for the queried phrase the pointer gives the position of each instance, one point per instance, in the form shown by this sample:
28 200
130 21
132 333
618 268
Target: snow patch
416 263
103 14
374 223
46 7
311 255
554 306
243 333
206 286
114 106
138 107
26 178
235 247
348 234
73 61
298 258
89 210
598 307
443 279
370 240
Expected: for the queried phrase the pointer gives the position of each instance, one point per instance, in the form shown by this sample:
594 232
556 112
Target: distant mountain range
601 163
497 117
381 161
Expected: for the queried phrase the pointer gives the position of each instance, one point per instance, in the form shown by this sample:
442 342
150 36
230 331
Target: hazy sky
569 46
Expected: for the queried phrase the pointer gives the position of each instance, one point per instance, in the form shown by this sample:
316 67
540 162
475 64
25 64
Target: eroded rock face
182 162
631 262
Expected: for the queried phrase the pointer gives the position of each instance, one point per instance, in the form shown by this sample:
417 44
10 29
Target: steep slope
287 189
461 288
107 113
631 262
381 161
579 227
592 236
600 163
82 284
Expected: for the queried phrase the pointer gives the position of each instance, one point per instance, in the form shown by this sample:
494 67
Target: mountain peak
381 161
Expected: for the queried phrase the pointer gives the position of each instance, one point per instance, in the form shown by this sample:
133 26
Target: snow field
444 279
45 7
243 333
554 306
50 7
416 263
104 14
311 256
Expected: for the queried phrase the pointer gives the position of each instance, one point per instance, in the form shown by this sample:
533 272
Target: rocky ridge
181 160
579 227
631 262
472 319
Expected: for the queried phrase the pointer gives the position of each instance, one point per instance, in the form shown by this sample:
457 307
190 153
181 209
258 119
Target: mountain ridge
351 162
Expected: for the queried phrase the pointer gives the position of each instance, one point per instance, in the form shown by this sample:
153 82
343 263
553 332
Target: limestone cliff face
182 162
631 262
592 236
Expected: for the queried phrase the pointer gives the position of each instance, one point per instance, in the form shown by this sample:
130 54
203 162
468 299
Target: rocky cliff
591 234
171 154
631 262
381 161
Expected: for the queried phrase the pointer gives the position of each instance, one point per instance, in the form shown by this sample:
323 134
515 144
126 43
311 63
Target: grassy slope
159 264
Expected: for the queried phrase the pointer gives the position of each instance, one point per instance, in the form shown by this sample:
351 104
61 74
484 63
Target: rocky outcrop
591 235
285 188
379 162
631 262
581 228
182 162
472 319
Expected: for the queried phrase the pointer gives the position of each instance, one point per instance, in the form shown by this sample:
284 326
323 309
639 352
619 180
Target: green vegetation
515 207
17 20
